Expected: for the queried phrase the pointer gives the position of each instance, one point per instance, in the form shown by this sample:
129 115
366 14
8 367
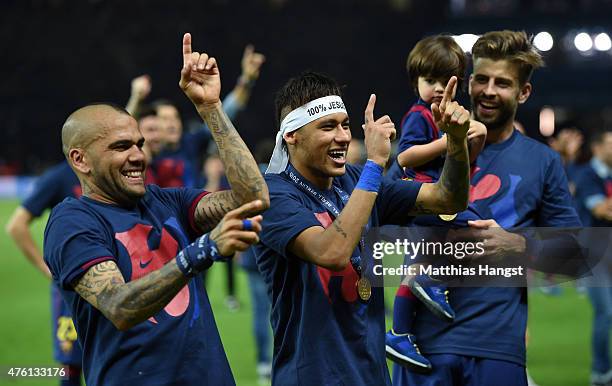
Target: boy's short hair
439 57
305 87
514 46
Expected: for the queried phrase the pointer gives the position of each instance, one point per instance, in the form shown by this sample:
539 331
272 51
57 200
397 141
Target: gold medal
447 217
364 289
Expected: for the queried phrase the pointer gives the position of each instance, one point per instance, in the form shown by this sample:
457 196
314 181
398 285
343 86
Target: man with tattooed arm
328 321
126 256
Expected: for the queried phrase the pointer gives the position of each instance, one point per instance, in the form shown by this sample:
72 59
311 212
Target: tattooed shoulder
98 280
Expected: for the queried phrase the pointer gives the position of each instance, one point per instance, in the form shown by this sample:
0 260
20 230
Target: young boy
431 63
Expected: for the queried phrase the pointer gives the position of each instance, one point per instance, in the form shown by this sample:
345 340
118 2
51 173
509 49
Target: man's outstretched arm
127 304
201 82
332 247
450 194
251 64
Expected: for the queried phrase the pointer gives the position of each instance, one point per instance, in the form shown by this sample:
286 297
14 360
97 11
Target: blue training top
419 128
51 188
323 334
518 183
180 345
593 185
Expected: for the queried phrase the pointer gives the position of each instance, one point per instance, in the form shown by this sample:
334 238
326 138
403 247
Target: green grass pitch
559 327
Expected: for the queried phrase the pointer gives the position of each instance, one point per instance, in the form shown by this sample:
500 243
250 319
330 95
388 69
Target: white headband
298 118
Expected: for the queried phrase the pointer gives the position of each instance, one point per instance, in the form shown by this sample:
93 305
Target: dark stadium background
60 54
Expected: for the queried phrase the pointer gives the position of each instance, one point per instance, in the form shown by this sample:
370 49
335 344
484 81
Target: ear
290 138
524 93
78 160
470 84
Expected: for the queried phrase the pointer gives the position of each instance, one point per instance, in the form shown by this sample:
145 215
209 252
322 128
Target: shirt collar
602 170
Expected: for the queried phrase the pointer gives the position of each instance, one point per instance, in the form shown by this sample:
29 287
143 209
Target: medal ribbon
330 206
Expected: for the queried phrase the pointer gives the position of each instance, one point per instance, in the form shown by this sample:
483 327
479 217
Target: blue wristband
198 256
371 177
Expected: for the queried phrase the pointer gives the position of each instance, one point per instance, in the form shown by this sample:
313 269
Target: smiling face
496 92
106 153
318 149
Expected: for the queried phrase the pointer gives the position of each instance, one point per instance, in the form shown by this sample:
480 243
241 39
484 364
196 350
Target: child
431 63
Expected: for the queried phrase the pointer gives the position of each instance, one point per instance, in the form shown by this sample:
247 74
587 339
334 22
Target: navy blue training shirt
51 188
180 345
323 333
419 128
518 183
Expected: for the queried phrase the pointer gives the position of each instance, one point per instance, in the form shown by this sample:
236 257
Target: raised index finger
369 111
186 49
448 91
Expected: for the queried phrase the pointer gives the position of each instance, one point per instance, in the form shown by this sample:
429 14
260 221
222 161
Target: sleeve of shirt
73 243
588 192
415 131
231 106
285 219
396 199
183 201
203 135
556 208
43 196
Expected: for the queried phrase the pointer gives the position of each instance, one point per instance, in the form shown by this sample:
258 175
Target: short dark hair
305 87
514 46
146 111
162 102
439 57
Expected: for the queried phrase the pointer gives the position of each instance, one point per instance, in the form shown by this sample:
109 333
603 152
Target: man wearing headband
328 321
126 257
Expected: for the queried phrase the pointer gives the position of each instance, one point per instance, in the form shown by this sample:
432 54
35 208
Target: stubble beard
505 114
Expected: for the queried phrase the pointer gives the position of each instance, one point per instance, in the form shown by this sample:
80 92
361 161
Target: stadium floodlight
466 41
602 42
583 42
543 41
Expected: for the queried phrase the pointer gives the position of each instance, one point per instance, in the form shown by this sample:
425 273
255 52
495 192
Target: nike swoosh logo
145 264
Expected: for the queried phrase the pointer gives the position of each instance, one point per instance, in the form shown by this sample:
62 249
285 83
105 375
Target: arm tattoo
127 304
452 189
240 168
98 281
339 229
212 208
455 177
421 208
